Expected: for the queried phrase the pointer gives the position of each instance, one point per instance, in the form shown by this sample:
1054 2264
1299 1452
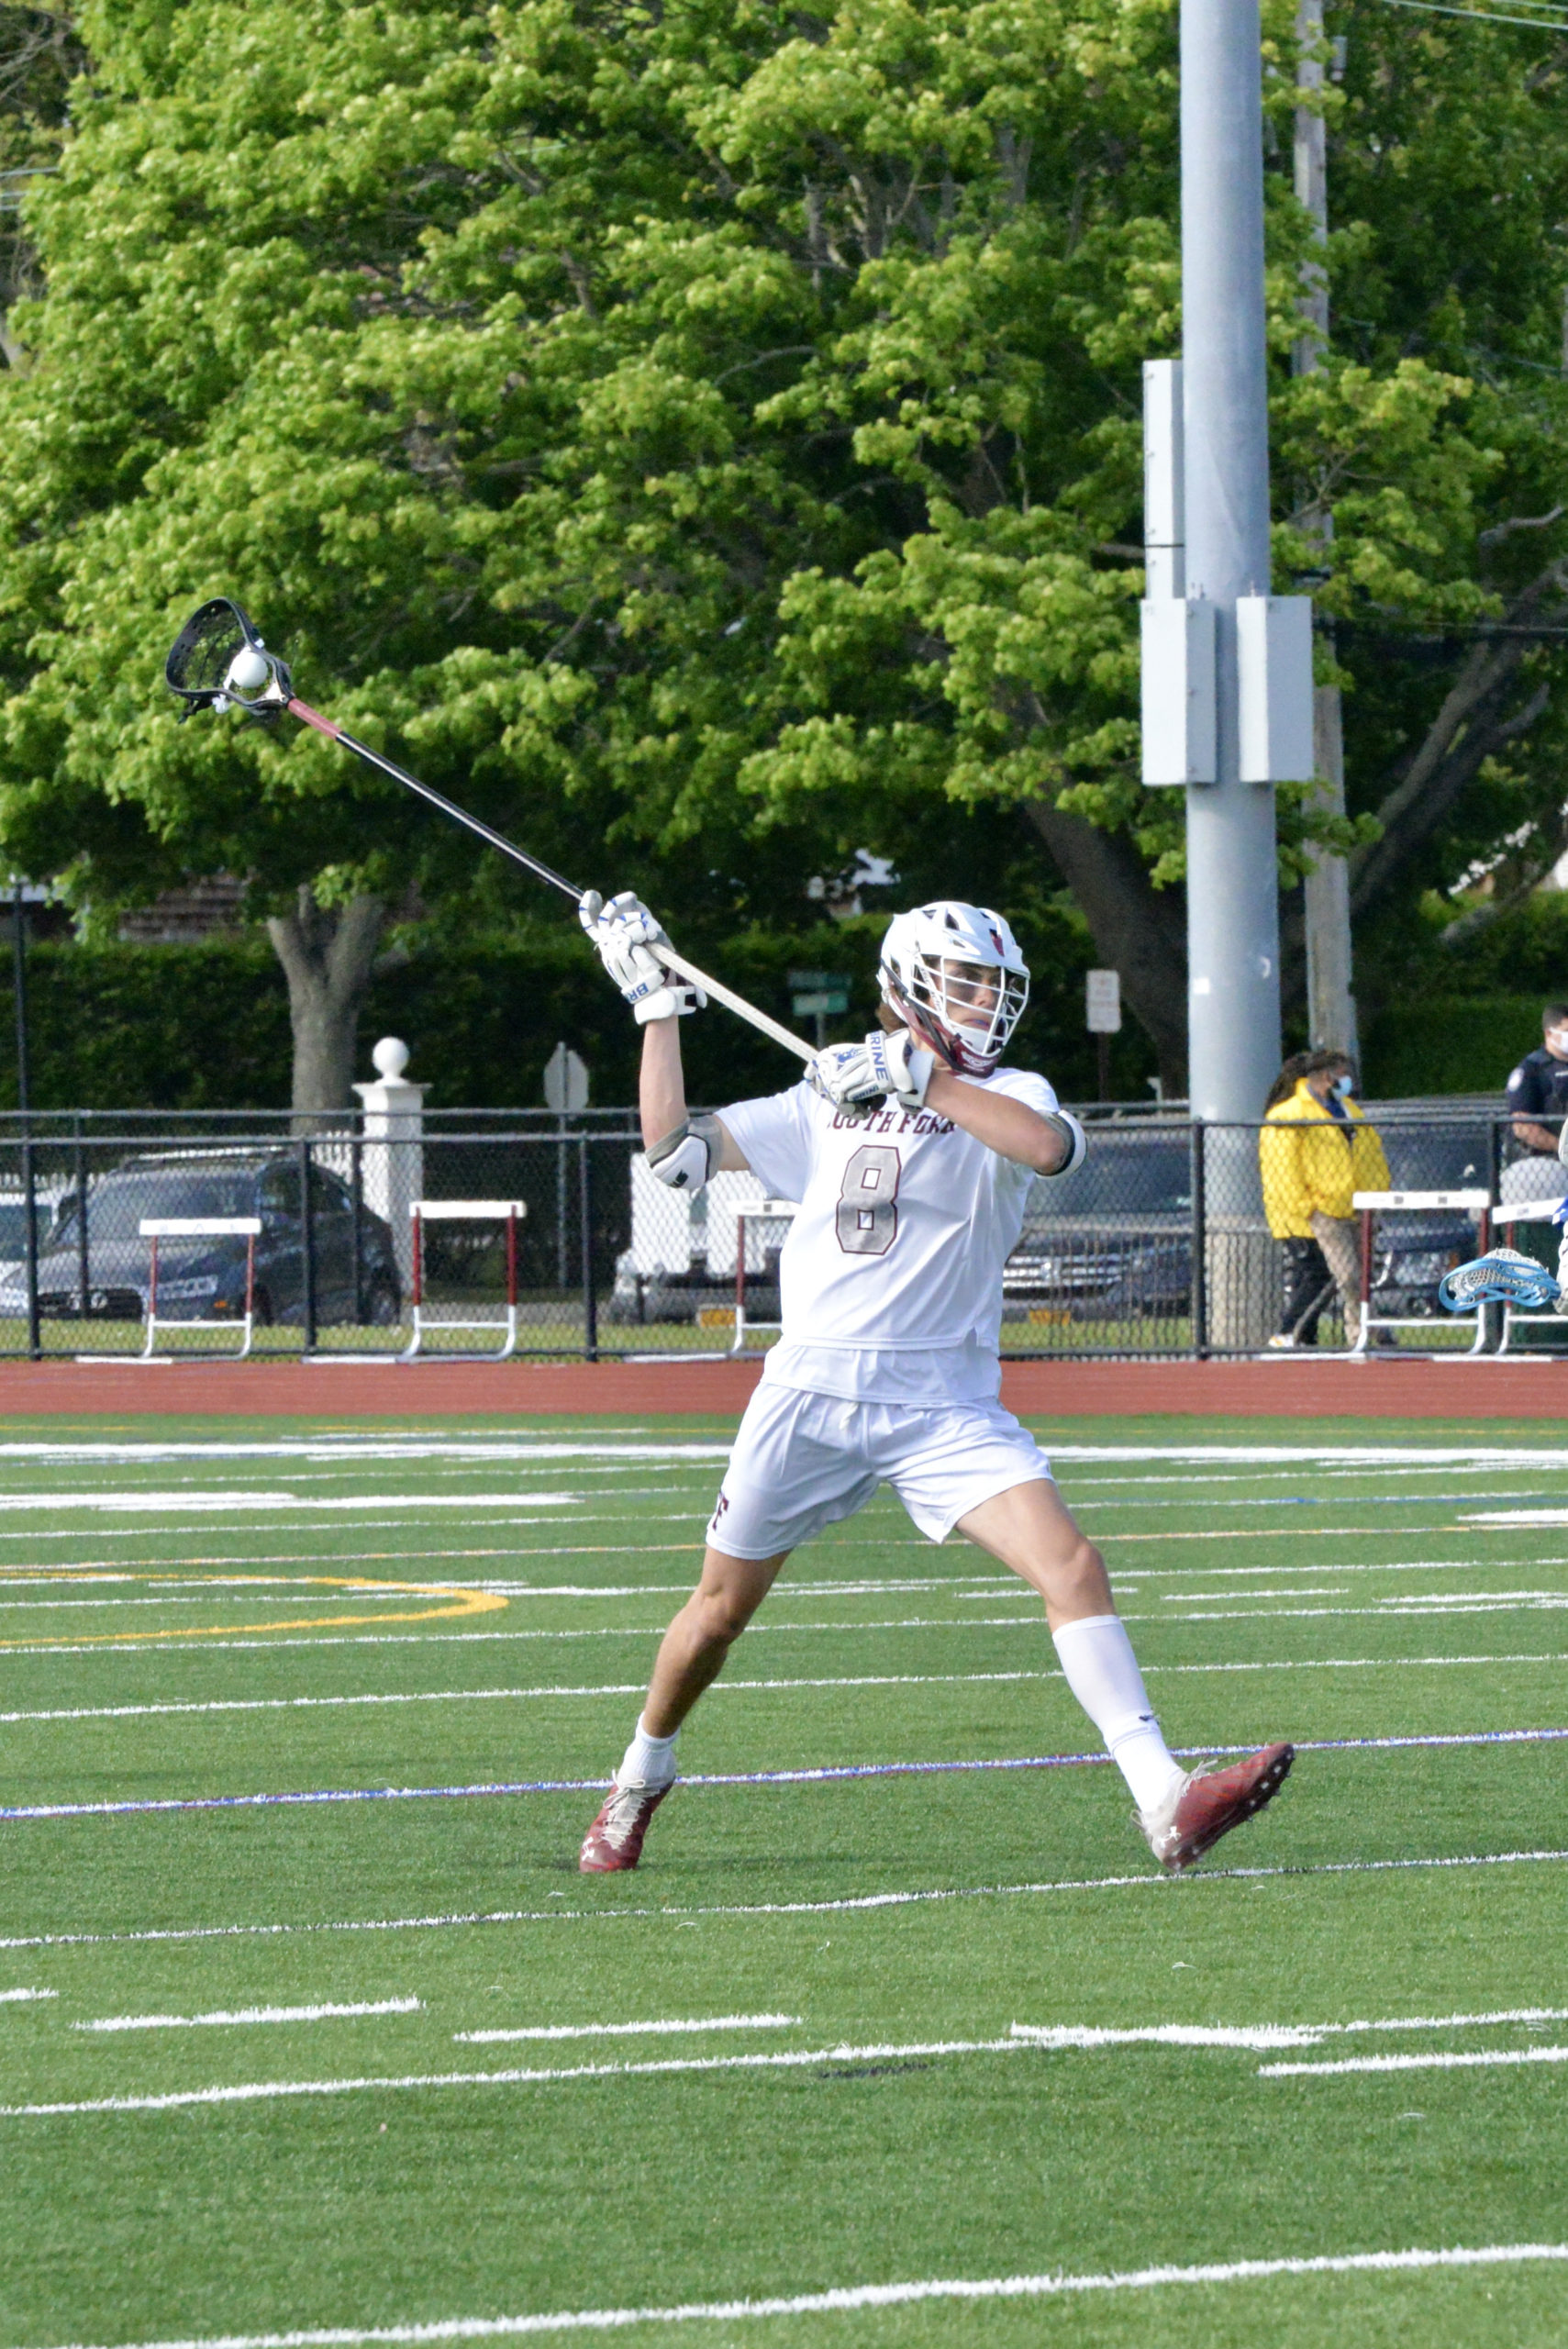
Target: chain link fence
537 1235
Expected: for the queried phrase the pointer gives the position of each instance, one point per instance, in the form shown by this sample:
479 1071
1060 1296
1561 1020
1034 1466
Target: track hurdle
757 1211
1370 1203
200 1227
423 1211
1526 1211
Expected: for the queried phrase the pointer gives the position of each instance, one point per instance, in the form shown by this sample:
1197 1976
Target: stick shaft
738 1003
309 717
714 988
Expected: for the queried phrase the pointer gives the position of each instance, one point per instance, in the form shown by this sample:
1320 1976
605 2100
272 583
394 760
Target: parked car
1114 1241
47 1200
106 1273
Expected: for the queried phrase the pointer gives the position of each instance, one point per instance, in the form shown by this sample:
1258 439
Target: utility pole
1330 1005
1232 872
24 1104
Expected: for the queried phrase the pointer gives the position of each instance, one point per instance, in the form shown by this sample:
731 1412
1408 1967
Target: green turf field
366 2065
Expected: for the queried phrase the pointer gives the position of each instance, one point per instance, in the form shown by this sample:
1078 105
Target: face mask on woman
1344 1086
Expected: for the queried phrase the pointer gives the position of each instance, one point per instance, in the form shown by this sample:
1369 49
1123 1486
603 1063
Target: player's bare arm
661 1097
1010 1127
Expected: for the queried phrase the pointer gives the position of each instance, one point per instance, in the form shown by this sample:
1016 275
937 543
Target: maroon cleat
615 1839
1210 1801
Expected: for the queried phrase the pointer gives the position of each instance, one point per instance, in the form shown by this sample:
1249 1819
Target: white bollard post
392 1157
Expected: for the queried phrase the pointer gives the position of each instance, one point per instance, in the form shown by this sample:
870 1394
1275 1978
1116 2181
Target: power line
1484 15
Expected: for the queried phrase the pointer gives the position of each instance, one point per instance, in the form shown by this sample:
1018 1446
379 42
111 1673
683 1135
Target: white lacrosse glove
857 1078
627 937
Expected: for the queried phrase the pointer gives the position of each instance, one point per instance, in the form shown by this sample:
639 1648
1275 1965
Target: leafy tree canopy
716 425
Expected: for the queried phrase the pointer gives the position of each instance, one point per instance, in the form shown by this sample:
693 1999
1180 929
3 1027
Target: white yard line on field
202 1594
851 2297
537 2076
1479 2059
872 1537
1418 1604
1300 1456
1043 2040
843 1905
636 1687
1201 1500
351 1451
633 2030
24 1998
205 1503
126 1569
1348 1566
618 1444
1543 1517
253 2015
1392 1610
1090 2038
209 1591
1441 1466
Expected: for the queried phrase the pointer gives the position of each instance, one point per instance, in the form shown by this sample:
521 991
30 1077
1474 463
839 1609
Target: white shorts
802 1462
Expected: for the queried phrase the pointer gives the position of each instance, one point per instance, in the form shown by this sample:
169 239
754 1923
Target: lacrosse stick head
218 661
1503 1277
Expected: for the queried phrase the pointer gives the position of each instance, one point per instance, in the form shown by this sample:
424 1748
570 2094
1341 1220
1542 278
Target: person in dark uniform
1538 1104
1538 1107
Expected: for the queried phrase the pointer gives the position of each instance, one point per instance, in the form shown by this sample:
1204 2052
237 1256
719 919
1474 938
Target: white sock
1102 1672
650 1761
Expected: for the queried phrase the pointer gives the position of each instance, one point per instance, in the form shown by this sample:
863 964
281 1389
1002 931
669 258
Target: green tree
713 430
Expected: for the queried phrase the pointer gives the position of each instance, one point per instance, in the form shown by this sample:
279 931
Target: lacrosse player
912 1155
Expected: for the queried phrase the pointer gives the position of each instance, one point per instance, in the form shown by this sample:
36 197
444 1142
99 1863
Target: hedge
1450 1044
207 1026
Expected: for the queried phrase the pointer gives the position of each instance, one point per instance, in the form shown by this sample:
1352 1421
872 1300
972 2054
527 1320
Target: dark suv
103 1272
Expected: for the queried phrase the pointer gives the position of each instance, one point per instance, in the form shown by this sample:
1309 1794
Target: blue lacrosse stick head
1503 1277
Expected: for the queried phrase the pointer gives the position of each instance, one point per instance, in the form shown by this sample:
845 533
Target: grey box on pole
1273 664
1177 690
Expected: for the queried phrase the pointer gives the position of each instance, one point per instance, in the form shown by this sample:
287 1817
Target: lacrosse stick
218 661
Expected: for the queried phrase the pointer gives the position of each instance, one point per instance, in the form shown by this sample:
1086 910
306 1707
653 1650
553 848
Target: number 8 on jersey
868 1212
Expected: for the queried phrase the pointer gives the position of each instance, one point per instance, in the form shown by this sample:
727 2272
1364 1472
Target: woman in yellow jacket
1315 1149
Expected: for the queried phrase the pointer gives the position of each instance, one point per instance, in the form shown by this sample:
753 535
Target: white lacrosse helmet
954 973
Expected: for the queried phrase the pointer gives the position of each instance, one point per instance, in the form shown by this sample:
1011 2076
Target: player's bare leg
693 1649
691 1656
1030 1528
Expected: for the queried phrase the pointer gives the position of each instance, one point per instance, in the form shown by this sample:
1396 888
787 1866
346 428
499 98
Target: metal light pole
1330 1005
1232 881
24 1104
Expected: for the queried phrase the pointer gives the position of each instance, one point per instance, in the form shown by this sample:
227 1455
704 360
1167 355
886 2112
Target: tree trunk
1138 930
329 955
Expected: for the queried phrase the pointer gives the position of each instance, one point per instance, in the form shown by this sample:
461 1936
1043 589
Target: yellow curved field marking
468 1602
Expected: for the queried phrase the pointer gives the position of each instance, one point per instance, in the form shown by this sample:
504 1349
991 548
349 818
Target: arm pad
685 1158
1063 1122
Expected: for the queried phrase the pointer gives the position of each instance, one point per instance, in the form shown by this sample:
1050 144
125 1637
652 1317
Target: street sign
1102 1002
826 993
565 1081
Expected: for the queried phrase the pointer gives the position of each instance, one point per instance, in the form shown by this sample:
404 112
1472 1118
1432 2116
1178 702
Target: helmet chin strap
914 1020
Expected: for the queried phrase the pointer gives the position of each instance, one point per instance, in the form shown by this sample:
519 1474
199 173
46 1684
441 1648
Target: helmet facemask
963 1010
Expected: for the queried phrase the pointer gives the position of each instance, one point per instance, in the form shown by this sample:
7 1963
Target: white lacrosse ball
248 669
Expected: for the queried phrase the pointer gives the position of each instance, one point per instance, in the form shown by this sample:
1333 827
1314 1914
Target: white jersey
891 1277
